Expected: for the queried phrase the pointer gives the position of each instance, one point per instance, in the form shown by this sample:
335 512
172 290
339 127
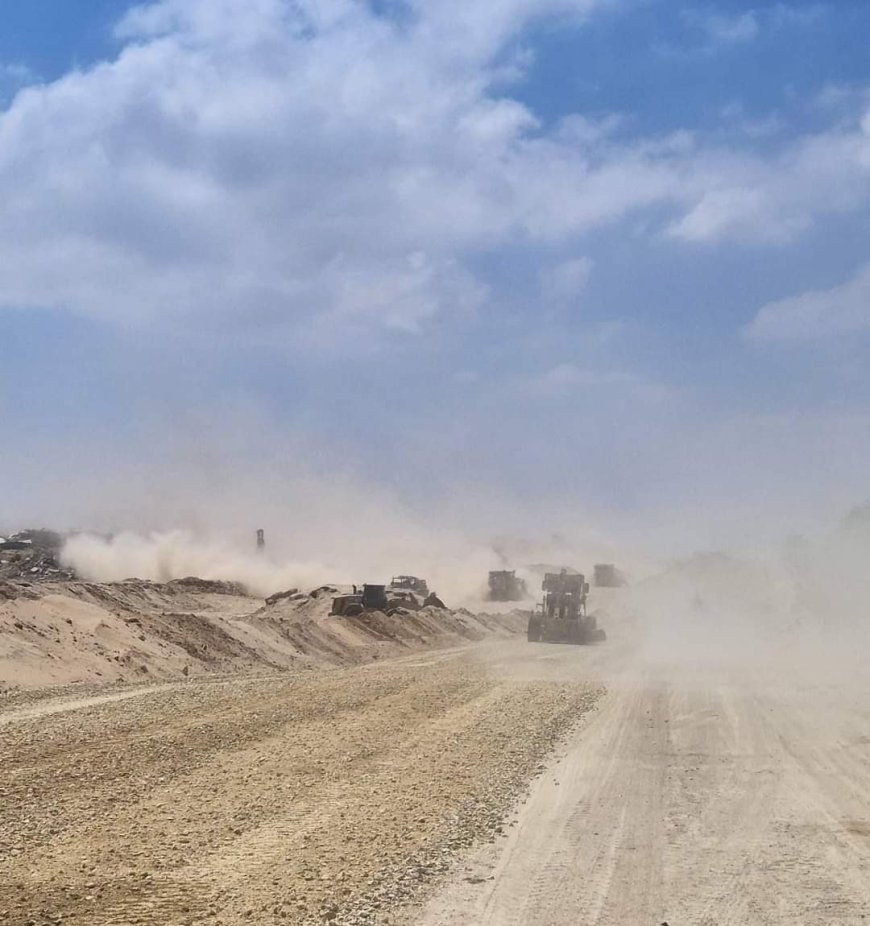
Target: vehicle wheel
353 610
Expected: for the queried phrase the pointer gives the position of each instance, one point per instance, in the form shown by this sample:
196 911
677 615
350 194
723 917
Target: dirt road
328 795
724 796
734 793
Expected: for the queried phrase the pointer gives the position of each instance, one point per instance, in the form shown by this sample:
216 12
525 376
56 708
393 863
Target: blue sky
603 259
49 37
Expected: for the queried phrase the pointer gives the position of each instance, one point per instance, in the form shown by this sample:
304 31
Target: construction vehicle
381 598
505 586
410 584
562 617
371 598
606 575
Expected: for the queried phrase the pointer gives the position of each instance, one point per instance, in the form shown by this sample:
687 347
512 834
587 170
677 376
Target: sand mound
303 621
61 633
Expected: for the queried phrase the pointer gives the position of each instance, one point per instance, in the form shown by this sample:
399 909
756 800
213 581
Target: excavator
561 617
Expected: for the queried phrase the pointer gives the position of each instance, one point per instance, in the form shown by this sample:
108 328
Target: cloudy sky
614 253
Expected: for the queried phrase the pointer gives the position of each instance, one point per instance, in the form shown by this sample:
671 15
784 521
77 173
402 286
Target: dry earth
708 788
326 796
61 633
712 791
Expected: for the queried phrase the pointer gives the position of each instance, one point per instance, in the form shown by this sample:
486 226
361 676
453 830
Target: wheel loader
561 617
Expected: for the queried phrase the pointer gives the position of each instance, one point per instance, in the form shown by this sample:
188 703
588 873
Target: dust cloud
805 604
193 509
177 554
456 565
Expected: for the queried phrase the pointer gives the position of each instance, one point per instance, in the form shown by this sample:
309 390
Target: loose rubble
33 555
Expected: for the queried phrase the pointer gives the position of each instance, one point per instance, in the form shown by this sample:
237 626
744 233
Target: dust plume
176 554
805 604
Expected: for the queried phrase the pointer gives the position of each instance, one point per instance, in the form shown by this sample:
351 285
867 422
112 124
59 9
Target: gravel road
732 795
323 796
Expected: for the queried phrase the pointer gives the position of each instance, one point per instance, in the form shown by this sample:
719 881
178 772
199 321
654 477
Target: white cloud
777 196
307 164
271 160
844 309
403 296
735 118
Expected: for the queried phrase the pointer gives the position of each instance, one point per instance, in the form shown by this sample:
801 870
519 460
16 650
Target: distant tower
261 541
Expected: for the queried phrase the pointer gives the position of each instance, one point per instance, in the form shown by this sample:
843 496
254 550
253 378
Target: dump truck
606 575
561 617
504 585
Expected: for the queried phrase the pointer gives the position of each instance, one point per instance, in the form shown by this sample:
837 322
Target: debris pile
33 555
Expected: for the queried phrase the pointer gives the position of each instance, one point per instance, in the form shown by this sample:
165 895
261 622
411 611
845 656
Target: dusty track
326 795
736 794
728 796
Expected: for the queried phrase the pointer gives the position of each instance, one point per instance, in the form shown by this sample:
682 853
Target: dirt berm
60 633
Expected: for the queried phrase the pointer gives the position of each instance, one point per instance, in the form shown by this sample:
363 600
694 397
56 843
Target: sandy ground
323 796
659 790
733 794
55 634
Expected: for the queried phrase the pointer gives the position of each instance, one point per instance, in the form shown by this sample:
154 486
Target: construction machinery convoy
562 617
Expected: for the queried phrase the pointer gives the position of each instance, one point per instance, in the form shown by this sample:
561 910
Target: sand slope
54 634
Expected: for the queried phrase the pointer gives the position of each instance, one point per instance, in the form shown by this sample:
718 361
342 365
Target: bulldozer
562 617
388 599
371 598
409 584
505 586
